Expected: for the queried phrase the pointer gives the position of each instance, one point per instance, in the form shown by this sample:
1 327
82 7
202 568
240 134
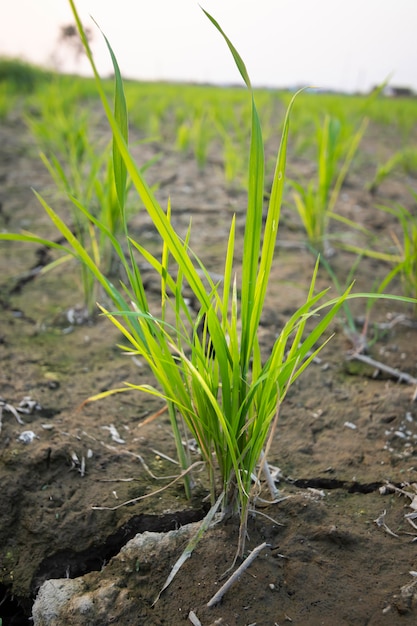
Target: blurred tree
69 45
69 37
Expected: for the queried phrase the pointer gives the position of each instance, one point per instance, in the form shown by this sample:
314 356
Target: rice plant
404 261
207 365
82 170
316 201
404 160
407 268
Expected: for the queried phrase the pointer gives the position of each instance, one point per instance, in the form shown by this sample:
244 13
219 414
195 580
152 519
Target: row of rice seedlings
180 102
400 114
203 118
402 125
190 109
310 199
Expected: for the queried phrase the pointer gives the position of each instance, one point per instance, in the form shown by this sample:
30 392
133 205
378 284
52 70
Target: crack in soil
71 563
68 563
333 483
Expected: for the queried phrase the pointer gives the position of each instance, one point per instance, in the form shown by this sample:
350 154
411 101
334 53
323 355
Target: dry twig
402 377
152 493
392 371
236 575
380 522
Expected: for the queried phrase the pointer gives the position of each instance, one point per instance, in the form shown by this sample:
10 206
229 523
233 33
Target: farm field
344 455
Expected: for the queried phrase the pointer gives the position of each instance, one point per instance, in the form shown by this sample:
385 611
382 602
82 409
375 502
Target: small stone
27 436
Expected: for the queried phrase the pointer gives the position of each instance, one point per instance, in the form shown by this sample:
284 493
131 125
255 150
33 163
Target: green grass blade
238 59
79 251
253 227
29 238
271 225
121 119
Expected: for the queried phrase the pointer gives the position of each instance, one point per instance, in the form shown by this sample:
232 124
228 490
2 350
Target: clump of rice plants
207 365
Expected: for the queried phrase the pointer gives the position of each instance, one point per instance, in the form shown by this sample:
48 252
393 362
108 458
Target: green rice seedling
234 136
383 171
61 125
404 262
183 137
234 160
363 335
404 160
82 169
316 201
82 173
200 137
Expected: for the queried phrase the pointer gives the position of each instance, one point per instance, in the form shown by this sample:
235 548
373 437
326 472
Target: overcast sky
326 43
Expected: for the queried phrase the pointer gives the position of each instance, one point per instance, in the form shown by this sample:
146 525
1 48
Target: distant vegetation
21 76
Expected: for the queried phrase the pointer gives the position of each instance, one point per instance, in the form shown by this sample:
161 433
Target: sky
329 44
